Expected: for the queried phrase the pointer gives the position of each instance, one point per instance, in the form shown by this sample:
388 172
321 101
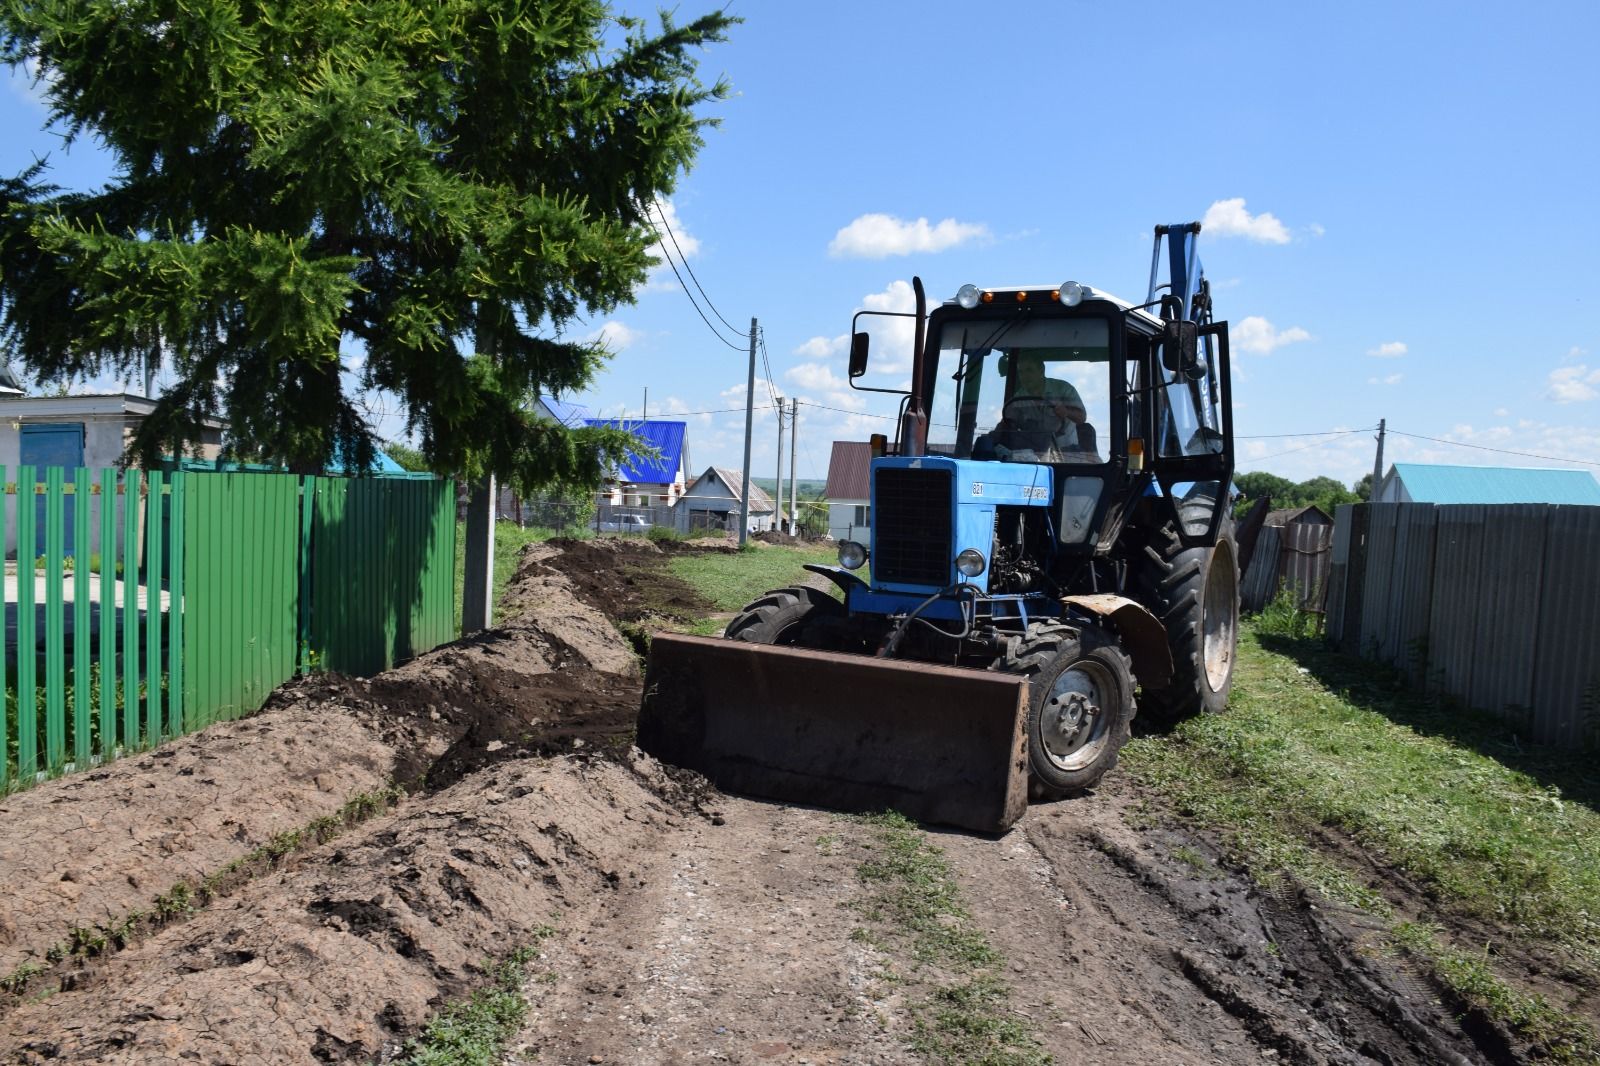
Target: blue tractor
1050 547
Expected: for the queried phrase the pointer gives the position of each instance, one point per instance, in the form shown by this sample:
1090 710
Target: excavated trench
687 925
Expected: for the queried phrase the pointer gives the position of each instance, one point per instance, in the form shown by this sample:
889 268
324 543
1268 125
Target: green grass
1315 742
913 902
474 1031
731 580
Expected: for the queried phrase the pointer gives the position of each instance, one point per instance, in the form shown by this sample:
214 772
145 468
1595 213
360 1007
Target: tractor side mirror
1180 348
858 353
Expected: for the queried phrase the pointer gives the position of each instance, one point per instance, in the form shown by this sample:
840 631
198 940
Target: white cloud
824 347
1388 350
672 405
1575 353
1573 384
878 236
1392 379
1256 334
615 336
1501 412
1228 218
687 246
817 376
1316 229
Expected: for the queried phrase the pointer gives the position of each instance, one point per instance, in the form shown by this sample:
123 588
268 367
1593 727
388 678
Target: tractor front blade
936 743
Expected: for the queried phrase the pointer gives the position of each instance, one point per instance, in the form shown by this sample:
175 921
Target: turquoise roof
1428 483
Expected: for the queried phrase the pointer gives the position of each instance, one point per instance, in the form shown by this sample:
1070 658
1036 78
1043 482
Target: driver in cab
1044 419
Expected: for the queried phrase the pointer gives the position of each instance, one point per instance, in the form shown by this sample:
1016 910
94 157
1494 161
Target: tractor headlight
852 556
1072 293
967 296
971 562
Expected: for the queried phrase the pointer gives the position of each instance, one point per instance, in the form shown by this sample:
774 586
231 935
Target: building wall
849 520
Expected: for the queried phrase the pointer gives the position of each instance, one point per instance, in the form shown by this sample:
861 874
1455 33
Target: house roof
668 438
734 480
1309 512
849 471
568 414
1429 483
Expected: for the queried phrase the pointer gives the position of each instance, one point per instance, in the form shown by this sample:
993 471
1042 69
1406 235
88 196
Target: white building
713 501
849 491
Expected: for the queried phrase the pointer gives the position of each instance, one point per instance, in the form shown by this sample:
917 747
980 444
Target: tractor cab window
1189 420
1019 389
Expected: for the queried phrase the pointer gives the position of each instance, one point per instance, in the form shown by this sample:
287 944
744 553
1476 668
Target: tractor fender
1141 632
838 575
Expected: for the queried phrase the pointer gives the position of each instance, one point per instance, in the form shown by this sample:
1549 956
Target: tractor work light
1072 293
852 556
967 296
971 562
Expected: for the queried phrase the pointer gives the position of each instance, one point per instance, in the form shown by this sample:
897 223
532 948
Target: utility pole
749 428
477 591
646 416
1377 464
777 493
794 435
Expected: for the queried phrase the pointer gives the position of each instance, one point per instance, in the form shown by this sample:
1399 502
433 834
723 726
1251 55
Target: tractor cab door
1192 447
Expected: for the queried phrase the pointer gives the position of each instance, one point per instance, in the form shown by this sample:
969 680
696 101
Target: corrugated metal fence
188 597
1295 557
1498 606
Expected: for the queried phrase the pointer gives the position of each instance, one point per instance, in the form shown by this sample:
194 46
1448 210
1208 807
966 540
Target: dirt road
674 924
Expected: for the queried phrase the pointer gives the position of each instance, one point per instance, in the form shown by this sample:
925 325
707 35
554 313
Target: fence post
308 506
477 596
177 706
27 639
106 617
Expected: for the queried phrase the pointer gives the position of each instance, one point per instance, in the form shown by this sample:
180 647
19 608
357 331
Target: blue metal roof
1428 483
665 437
568 414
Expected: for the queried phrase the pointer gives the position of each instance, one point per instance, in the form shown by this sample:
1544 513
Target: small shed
713 502
1293 550
849 491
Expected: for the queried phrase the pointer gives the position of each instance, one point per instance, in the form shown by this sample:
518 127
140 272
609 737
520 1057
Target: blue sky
1399 198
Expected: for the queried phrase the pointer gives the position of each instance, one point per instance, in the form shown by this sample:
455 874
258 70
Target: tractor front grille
912 527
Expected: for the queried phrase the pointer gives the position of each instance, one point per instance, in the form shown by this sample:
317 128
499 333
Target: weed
828 843
473 1031
16 982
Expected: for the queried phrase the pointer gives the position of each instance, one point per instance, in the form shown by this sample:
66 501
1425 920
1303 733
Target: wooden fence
1498 606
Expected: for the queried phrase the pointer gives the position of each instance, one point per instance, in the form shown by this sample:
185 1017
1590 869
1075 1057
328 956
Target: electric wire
1502 451
690 269
714 331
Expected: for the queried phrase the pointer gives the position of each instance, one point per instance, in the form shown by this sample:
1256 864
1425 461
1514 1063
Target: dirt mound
621 580
84 853
347 954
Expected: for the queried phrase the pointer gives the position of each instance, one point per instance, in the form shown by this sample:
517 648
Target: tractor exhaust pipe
914 426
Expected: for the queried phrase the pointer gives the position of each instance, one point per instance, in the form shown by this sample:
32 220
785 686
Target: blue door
46 444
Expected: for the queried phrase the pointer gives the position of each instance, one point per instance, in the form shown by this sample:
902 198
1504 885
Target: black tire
1080 705
1195 593
784 616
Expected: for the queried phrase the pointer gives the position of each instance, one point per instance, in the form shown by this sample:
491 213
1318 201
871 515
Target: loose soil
688 926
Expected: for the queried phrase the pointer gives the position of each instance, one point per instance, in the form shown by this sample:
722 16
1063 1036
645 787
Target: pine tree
316 197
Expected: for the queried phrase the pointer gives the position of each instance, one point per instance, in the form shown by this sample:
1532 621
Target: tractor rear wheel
1080 705
785 616
1195 593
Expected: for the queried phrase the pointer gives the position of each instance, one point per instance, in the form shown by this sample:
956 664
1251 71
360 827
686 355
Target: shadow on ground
1378 688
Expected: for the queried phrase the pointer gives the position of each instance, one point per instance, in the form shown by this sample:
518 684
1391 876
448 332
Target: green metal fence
188 597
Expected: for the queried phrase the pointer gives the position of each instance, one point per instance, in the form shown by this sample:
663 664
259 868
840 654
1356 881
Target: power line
1291 451
1502 451
714 331
689 268
1322 433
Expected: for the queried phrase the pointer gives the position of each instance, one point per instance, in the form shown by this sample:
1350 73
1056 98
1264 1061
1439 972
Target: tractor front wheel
786 616
1080 705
